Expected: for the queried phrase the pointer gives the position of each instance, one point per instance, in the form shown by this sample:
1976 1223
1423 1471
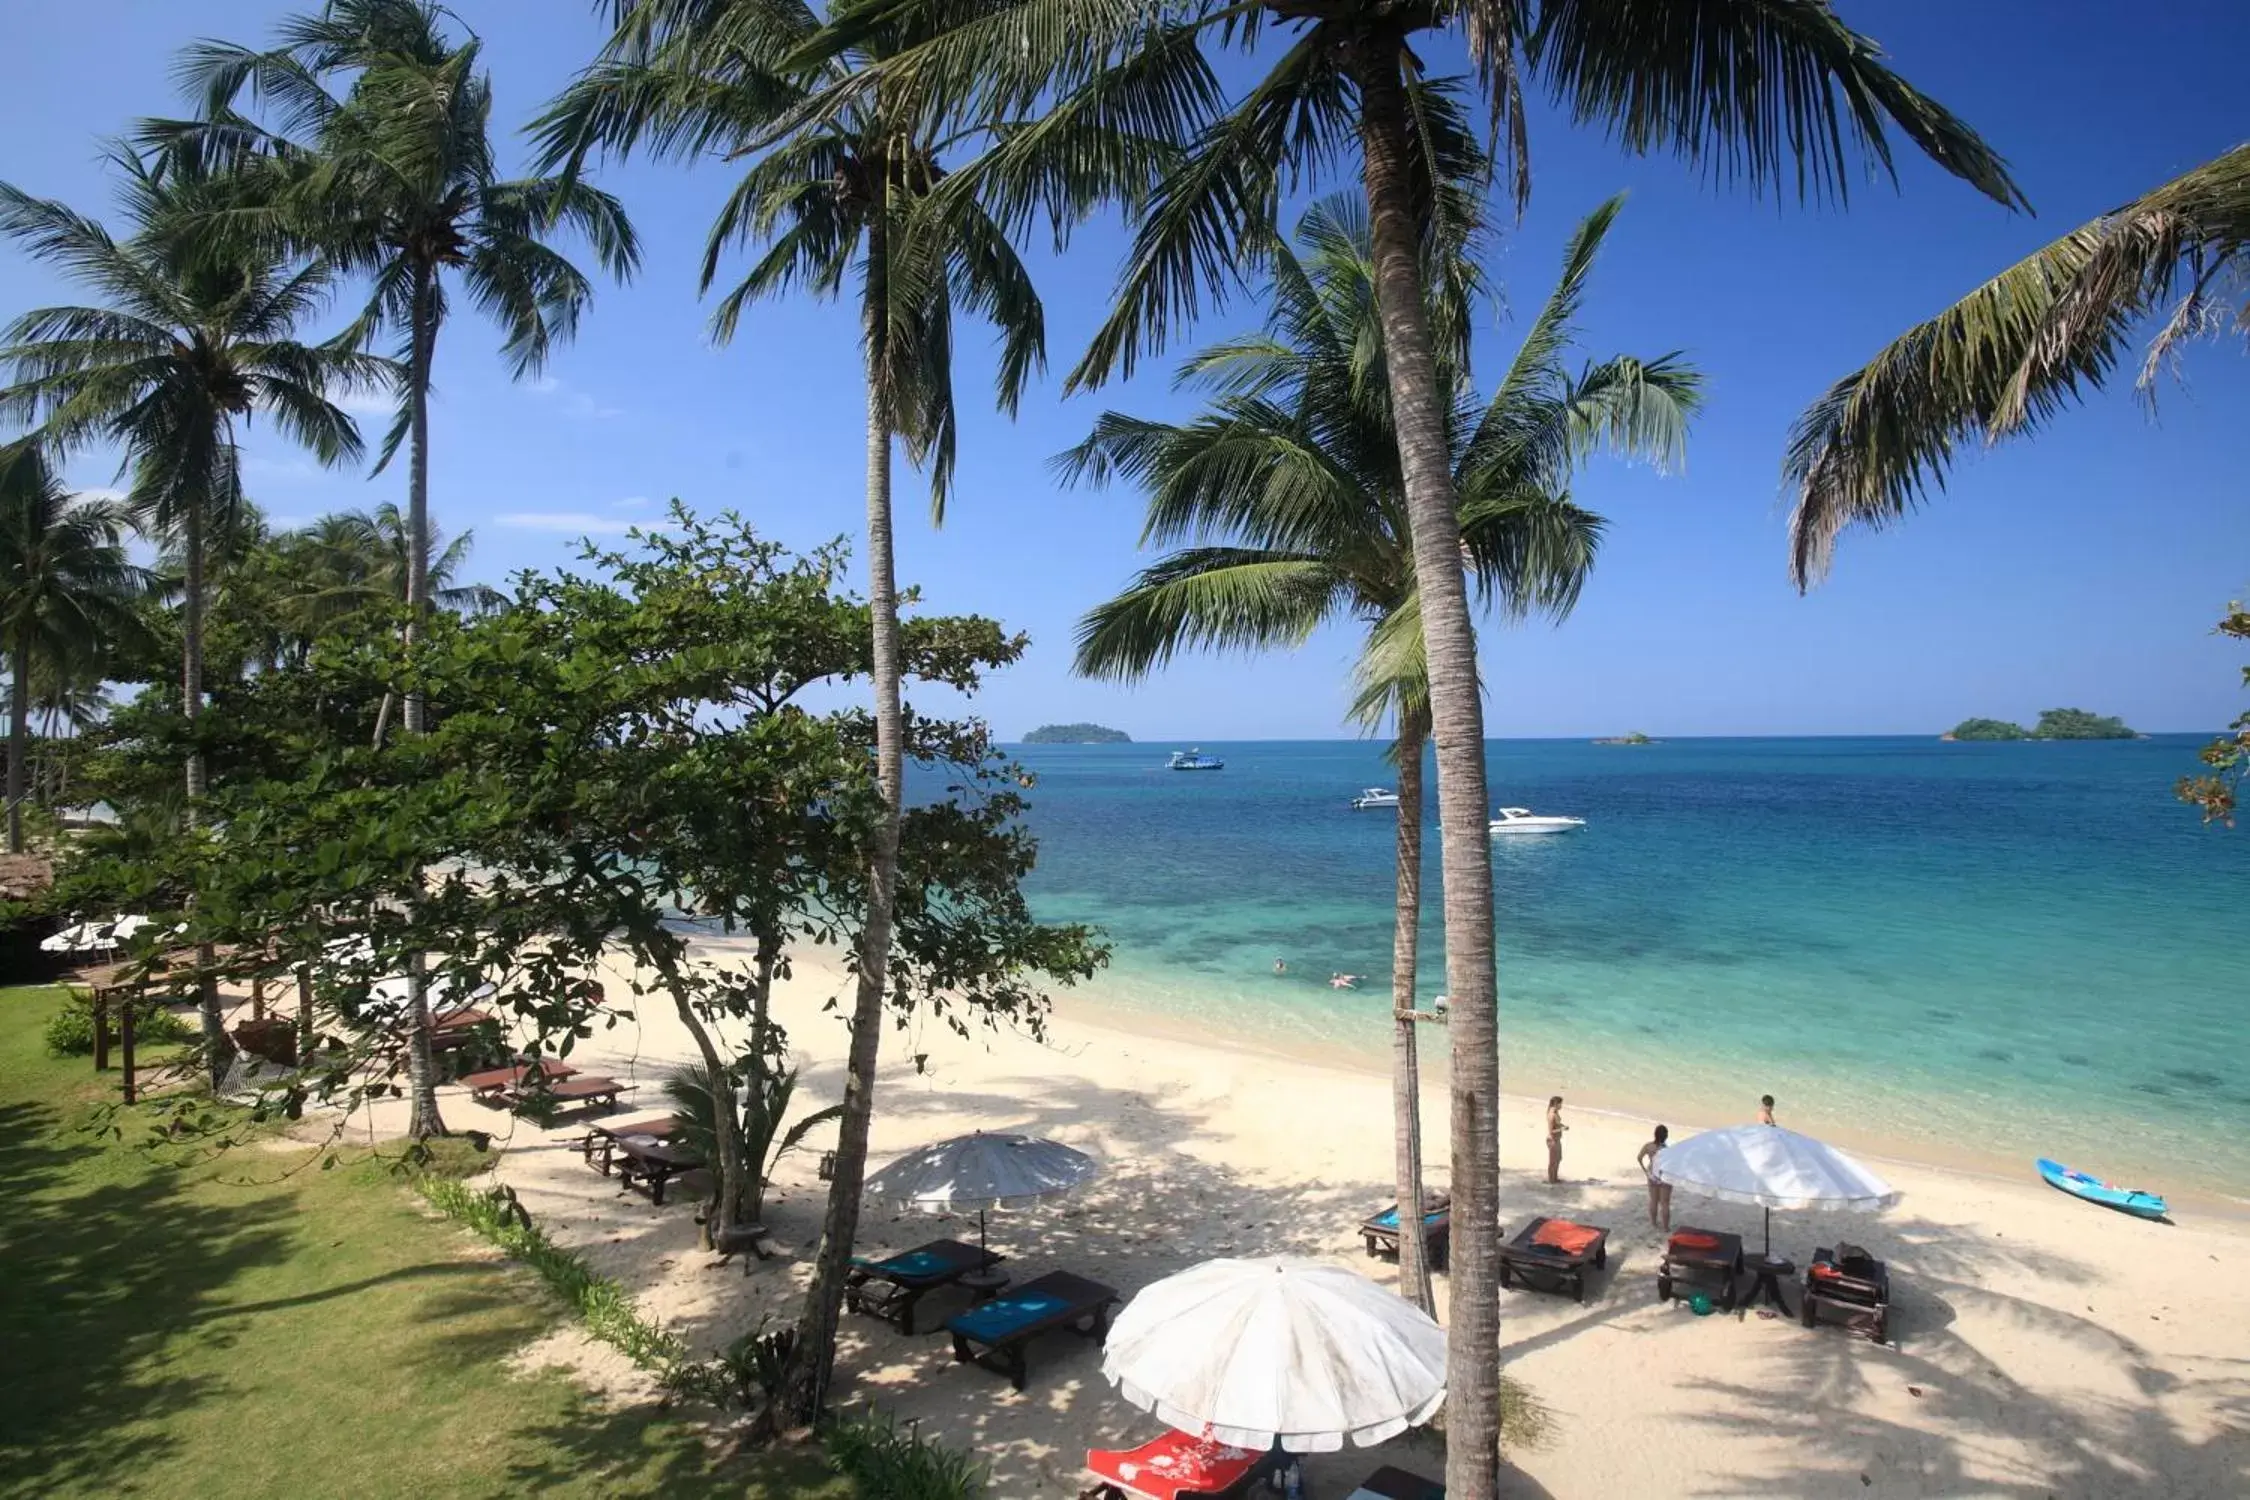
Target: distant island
1077 734
2054 724
1633 738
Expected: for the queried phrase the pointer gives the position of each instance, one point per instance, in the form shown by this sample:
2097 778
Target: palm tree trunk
421 1059
814 1359
1406 1066
217 1051
1457 719
19 740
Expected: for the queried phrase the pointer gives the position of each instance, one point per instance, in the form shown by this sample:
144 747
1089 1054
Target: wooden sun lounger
1176 1466
1388 1483
494 1085
1380 1231
889 1288
589 1092
1007 1324
652 1163
1554 1251
1859 1294
603 1135
1700 1257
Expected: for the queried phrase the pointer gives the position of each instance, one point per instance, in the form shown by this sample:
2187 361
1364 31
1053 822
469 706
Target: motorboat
1194 760
1375 796
1524 820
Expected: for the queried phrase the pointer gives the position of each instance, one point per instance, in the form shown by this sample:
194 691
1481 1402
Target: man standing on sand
1765 1109
1555 1128
1659 1193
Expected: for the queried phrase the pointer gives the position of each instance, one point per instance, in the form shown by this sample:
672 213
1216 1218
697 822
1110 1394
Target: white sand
2044 1347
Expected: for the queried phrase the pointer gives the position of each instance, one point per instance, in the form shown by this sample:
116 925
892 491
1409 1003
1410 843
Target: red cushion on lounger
1569 1238
1175 1464
1694 1239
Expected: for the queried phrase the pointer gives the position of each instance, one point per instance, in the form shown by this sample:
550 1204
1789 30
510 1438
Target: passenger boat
1524 820
1193 760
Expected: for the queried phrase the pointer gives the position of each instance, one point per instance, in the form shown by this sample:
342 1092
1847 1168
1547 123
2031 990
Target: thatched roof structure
24 876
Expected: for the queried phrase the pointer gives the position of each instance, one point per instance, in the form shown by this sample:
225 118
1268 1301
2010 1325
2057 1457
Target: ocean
1973 952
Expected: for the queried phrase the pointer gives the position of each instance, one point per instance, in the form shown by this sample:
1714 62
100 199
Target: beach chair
1697 1259
589 1092
1381 1231
1388 1483
604 1135
652 1163
1176 1466
1006 1325
1852 1285
494 1085
1553 1254
889 1288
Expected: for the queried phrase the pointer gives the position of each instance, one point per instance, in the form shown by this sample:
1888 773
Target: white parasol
79 937
1298 1353
980 1171
1768 1167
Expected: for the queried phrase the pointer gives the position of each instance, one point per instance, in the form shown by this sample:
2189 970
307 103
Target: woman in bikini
1659 1193
1555 1128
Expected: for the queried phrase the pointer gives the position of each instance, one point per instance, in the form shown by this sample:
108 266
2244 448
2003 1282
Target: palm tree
66 589
192 338
348 562
395 177
1778 92
890 188
2016 351
1289 497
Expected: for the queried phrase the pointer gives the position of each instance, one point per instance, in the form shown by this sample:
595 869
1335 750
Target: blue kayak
2107 1194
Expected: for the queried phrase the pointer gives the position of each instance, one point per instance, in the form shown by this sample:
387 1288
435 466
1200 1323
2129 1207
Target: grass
236 1327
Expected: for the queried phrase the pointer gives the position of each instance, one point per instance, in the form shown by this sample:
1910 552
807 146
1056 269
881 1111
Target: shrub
882 1461
70 1031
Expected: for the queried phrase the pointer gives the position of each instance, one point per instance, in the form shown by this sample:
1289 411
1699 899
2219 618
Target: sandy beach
2042 1346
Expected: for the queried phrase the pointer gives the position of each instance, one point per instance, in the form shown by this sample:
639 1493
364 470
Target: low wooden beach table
1388 1483
889 1288
1555 1251
1006 1325
604 1136
493 1085
653 1163
1695 1256
588 1091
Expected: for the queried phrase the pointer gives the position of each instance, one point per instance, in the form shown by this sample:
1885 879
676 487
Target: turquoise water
1986 950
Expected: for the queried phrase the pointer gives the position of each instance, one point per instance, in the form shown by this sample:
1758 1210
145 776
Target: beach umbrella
980 1171
1296 1353
1769 1167
437 991
79 937
124 928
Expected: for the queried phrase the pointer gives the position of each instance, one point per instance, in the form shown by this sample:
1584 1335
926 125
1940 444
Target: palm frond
1206 598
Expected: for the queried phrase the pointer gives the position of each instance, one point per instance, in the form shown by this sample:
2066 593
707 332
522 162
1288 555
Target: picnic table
494 1084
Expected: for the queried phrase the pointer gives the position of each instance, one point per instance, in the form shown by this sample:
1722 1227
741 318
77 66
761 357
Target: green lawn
228 1328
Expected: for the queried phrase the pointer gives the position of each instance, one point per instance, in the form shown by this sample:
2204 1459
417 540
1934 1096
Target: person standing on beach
1555 1128
1765 1109
1659 1193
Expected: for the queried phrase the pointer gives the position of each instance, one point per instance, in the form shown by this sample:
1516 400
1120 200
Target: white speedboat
1524 820
1375 796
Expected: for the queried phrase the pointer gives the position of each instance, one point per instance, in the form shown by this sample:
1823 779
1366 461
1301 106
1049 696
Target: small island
1077 734
1635 737
2054 724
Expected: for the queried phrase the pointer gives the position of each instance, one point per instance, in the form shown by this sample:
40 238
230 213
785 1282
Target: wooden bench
571 1093
652 1163
889 1288
1007 1324
1557 1252
603 1136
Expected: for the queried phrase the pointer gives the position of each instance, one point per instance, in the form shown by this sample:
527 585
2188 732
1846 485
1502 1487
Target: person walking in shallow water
1765 1109
1555 1128
1659 1193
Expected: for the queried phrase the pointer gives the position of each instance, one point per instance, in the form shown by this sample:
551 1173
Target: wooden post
125 1039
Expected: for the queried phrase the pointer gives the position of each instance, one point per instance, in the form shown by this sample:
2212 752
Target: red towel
1694 1239
1173 1465
1569 1238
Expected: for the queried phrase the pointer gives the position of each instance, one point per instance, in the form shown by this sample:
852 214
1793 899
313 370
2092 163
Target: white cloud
278 468
577 404
631 502
98 492
368 403
572 522
542 385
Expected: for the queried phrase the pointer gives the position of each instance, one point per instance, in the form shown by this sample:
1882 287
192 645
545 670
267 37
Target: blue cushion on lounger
1002 1316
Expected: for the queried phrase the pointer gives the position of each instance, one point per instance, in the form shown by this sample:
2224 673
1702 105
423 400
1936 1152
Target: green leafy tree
1989 729
2018 351
190 340
895 189
1780 93
2078 724
2228 756
379 154
1287 504
66 591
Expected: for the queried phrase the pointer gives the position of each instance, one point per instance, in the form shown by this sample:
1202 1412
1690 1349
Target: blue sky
2083 568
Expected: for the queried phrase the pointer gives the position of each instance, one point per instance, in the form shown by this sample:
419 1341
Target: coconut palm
379 154
1287 505
892 189
66 588
1779 92
190 341
348 562
2019 349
